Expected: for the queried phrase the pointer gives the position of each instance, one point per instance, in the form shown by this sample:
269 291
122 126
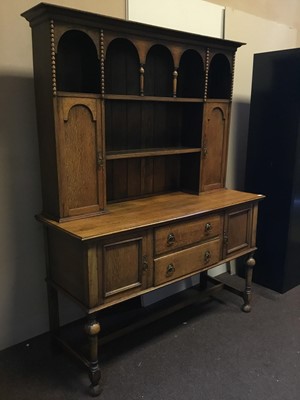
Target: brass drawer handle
207 256
170 239
145 264
208 227
170 270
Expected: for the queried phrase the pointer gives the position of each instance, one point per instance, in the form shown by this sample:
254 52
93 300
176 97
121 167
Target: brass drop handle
170 239
170 270
207 227
225 237
100 161
145 264
207 256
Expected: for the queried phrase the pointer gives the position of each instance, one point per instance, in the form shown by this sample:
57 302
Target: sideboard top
151 211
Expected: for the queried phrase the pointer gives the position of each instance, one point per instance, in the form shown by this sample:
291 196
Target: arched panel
77 63
122 68
159 70
214 146
81 168
191 75
219 77
90 107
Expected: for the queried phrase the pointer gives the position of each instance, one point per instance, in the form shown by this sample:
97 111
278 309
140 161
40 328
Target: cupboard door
238 230
80 156
214 145
126 265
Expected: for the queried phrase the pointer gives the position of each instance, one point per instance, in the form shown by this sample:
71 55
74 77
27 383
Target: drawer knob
207 227
207 256
170 239
170 270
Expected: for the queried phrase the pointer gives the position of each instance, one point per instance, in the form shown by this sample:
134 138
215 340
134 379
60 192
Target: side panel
67 265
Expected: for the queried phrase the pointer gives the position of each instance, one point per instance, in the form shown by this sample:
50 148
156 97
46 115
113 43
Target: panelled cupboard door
214 145
80 156
238 232
125 265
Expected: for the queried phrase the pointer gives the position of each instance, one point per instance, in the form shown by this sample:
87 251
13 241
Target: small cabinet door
126 265
239 226
80 156
214 145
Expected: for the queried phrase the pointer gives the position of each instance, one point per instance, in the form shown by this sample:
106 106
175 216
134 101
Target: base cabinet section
99 268
106 270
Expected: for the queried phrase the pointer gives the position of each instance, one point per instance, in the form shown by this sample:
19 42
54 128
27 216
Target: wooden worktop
142 213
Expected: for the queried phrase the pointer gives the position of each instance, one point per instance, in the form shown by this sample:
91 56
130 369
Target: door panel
237 230
214 146
125 262
80 154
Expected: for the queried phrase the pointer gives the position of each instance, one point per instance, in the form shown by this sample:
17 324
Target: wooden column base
92 329
250 263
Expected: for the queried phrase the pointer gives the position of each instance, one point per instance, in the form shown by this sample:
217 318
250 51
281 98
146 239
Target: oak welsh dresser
133 125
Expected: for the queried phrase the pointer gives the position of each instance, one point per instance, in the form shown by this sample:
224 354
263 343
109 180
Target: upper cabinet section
98 55
126 110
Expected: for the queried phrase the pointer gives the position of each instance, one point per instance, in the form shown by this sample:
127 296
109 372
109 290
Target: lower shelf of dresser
126 317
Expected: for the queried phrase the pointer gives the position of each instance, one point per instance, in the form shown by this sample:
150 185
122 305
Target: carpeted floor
208 351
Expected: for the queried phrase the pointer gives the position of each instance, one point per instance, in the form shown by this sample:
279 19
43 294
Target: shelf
155 152
216 100
152 98
124 97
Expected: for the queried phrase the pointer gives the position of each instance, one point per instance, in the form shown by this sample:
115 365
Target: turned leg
92 329
203 279
248 292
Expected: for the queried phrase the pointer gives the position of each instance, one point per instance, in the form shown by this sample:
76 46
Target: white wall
23 299
23 303
195 16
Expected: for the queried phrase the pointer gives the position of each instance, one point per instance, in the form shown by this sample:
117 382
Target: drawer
186 261
181 234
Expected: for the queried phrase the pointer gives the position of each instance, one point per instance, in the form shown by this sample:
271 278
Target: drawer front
181 234
186 261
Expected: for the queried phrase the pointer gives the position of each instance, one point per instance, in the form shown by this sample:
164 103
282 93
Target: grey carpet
208 351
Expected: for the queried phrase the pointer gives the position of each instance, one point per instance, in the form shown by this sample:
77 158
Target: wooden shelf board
153 152
153 98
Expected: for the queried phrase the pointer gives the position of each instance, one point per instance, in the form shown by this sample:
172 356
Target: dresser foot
95 390
250 263
92 329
